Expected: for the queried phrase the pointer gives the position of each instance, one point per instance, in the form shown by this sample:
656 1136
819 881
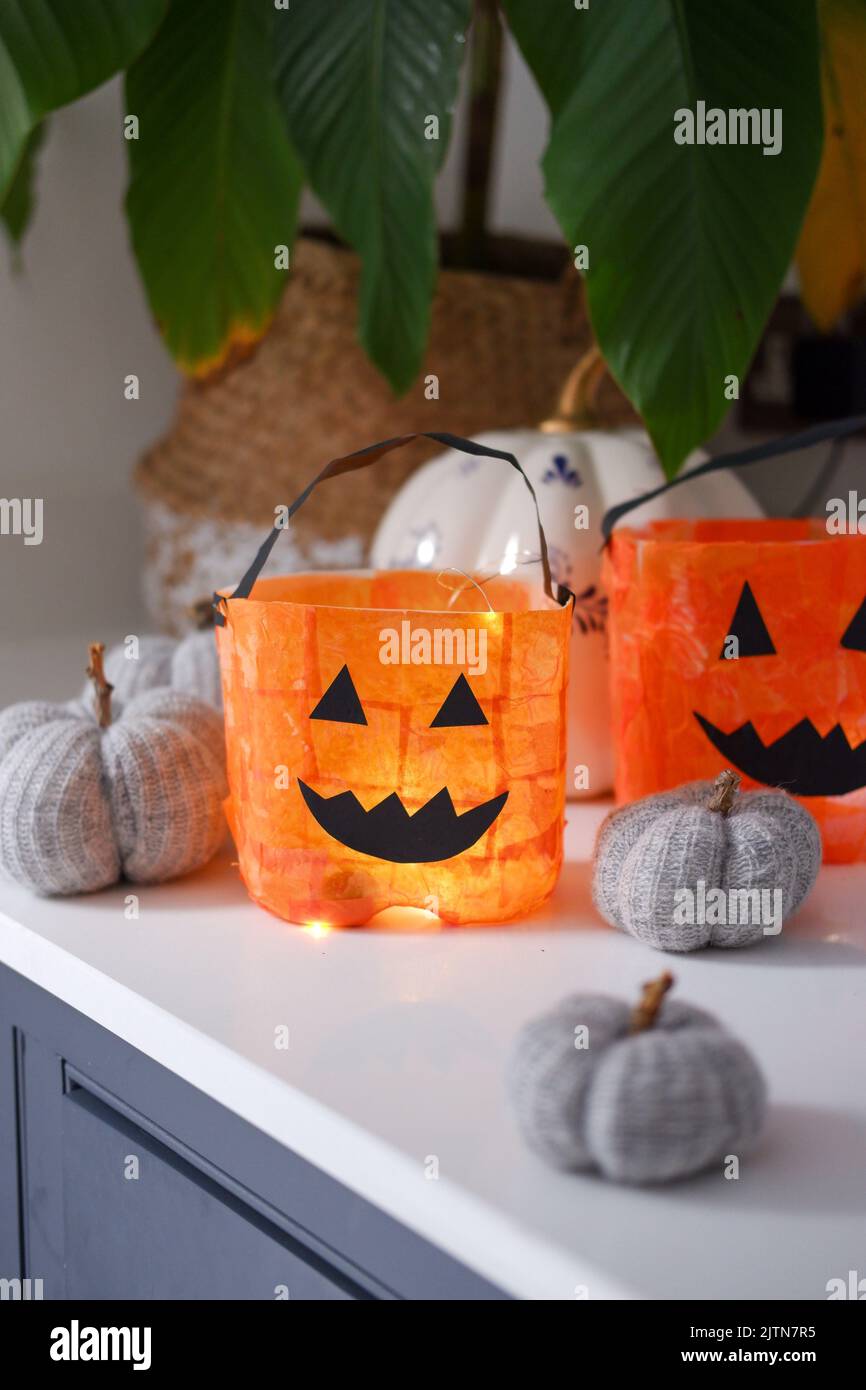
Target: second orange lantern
743 644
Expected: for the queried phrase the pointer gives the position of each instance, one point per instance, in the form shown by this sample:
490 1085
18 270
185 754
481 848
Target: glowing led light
317 930
426 550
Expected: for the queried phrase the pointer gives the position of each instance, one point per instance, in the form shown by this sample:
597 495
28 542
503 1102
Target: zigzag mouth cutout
800 761
388 831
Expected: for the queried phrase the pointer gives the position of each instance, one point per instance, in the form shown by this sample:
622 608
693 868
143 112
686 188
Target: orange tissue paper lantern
395 738
743 644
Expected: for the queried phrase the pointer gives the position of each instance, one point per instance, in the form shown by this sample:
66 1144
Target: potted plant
682 239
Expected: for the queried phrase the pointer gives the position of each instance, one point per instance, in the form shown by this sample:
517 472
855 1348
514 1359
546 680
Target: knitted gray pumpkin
643 1095
704 866
89 795
190 664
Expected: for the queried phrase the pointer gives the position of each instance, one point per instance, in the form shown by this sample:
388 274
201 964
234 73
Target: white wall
73 323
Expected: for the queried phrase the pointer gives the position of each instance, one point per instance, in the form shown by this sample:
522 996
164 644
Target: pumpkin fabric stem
724 792
644 1014
102 688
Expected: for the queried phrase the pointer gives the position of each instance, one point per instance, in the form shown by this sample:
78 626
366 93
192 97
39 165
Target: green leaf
358 80
688 243
215 186
53 51
17 206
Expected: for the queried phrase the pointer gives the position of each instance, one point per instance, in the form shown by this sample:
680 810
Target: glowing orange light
317 930
297 763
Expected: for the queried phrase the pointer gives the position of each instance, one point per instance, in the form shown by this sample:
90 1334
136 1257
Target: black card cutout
801 761
340 703
749 627
854 636
460 707
388 831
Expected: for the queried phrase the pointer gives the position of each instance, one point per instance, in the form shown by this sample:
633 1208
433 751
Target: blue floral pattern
590 610
560 565
561 471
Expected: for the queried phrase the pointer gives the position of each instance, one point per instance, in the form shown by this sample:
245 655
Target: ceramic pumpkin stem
102 688
724 792
576 405
644 1014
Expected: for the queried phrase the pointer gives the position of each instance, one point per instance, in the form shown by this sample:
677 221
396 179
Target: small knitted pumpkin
643 1095
702 866
88 796
190 664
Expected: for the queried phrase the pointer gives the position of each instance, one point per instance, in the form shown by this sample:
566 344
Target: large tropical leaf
17 206
688 243
215 185
832 254
358 80
53 51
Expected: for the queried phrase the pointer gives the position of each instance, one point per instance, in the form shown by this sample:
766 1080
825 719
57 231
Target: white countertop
398 1043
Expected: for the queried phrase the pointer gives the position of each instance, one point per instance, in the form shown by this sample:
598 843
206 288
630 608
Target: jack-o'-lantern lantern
395 738
743 644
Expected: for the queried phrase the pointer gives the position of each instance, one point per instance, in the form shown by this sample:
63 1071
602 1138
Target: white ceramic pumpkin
473 514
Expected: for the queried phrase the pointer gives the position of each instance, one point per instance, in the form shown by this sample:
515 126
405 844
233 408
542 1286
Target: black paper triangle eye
854 636
460 707
340 703
749 628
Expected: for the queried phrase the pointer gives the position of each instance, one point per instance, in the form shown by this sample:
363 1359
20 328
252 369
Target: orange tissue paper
742 644
395 738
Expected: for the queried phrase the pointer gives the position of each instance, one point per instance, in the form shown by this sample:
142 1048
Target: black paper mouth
800 761
388 831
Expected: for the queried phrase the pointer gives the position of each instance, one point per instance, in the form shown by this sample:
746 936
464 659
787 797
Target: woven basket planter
248 439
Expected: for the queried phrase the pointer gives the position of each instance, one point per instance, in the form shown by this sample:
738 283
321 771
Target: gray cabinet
164 1230
120 1181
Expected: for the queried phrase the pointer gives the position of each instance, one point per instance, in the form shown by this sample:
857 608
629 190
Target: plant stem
724 792
645 1013
102 688
485 71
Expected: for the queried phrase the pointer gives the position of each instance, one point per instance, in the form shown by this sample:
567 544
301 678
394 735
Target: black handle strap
351 463
741 458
